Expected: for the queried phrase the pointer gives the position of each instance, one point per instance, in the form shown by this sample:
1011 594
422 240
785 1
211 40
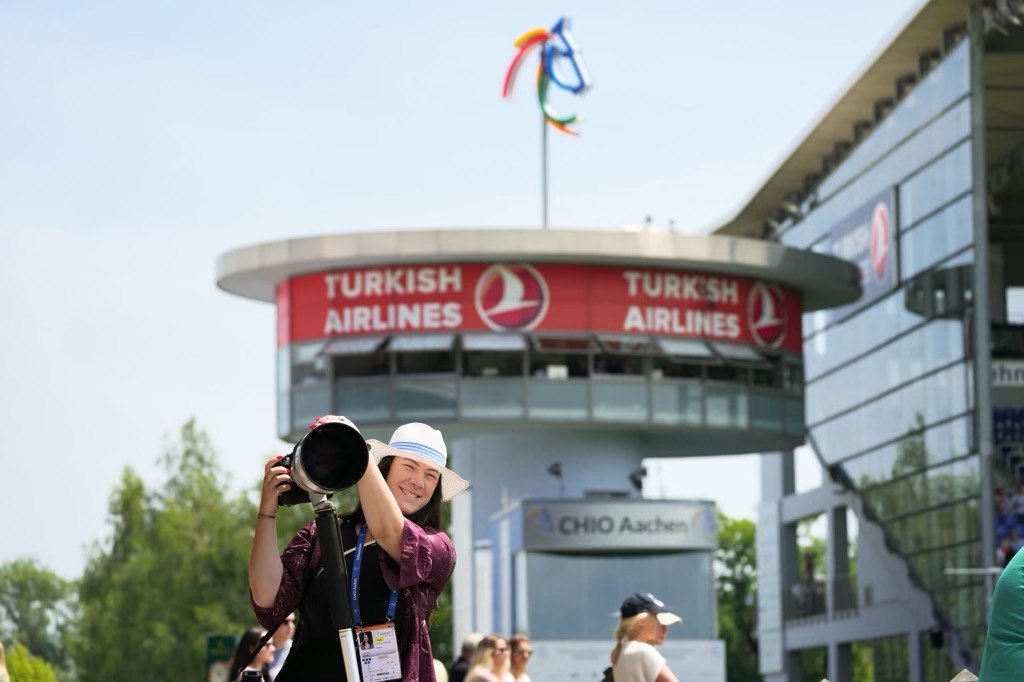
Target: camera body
295 494
329 458
252 676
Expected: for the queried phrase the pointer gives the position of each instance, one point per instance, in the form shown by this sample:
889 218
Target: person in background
460 666
1002 659
490 660
440 672
282 640
522 649
243 658
643 624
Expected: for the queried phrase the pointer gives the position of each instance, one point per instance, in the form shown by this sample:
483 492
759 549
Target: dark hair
428 516
246 647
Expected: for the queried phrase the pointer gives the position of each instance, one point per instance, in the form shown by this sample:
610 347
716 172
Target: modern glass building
915 175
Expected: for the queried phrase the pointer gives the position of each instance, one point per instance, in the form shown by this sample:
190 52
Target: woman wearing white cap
402 560
643 624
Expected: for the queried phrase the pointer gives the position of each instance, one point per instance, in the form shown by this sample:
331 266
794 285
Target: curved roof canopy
825 281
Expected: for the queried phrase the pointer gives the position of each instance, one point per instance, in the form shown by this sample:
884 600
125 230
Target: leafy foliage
35 609
22 666
736 583
173 572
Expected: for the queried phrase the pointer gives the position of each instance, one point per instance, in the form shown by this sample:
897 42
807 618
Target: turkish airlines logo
511 297
880 240
766 314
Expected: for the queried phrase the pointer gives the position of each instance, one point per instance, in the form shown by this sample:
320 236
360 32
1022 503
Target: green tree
22 666
35 609
736 583
172 572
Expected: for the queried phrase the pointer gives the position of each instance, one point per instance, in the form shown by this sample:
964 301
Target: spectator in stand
1017 502
1004 553
460 666
1004 505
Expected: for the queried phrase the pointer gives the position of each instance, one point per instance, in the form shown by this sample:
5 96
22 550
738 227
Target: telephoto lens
328 459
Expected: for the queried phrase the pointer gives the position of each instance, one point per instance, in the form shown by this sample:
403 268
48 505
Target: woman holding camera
401 559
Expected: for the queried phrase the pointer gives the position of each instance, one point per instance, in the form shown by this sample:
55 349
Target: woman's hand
276 479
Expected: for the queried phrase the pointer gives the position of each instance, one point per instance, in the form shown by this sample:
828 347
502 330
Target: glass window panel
732 351
940 443
867 330
425 362
492 399
624 400
685 348
898 163
565 344
284 413
726 406
305 353
943 85
421 342
557 399
934 345
425 399
766 411
493 342
308 403
309 366
559 366
935 185
795 417
620 364
363 401
632 345
353 345
947 232
362 365
677 402
284 368
898 152
730 373
492 363
571 597
931 399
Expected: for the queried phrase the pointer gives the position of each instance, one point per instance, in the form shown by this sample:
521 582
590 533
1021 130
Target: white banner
613 524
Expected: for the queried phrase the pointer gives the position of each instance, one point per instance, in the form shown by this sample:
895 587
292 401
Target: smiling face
412 483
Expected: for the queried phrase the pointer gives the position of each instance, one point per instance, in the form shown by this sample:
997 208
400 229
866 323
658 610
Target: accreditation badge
378 653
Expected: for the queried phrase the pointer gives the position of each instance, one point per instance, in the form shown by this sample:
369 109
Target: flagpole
544 172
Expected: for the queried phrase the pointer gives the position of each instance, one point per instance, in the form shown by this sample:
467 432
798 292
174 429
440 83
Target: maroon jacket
428 559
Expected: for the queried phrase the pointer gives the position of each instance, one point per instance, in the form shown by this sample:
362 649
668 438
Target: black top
316 651
459 668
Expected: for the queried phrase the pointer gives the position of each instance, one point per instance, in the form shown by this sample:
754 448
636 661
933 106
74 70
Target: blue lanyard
357 563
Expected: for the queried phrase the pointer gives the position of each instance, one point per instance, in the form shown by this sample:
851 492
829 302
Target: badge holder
337 581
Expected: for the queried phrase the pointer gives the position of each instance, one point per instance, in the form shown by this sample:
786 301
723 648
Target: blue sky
141 140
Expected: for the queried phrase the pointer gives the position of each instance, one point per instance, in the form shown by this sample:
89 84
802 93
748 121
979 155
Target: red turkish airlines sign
519 297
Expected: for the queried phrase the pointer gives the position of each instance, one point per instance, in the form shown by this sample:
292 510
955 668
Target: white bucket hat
424 444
